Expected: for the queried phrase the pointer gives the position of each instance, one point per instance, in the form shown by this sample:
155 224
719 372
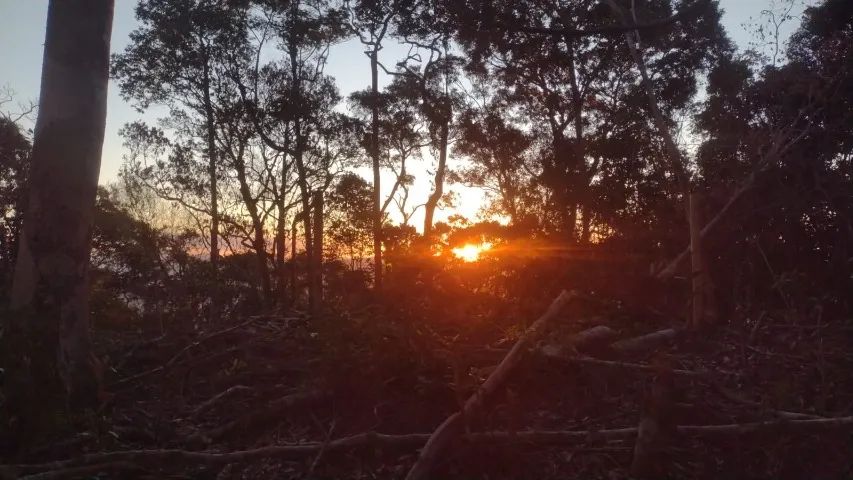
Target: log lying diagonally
453 426
171 458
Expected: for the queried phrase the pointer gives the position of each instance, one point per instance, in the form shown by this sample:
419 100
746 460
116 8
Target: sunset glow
470 252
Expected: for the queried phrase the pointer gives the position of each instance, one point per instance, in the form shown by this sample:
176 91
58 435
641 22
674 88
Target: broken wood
172 361
614 364
677 163
211 402
644 343
174 457
270 414
655 431
783 140
733 396
593 337
697 318
454 425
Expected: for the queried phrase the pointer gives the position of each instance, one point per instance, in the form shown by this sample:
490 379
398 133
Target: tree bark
280 239
441 171
298 157
671 268
656 430
374 153
212 159
258 239
580 147
316 285
644 343
677 164
698 276
50 287
293 277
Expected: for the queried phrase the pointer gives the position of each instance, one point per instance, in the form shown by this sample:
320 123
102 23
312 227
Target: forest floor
346 393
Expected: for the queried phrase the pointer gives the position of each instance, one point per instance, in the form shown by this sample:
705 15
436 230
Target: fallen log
271 413
453 425
593 337
643 343
614 364
727 393
173 457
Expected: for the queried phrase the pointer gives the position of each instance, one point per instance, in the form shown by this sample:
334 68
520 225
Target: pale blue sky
22 24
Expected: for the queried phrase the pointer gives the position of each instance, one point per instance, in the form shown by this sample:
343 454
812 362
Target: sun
471 252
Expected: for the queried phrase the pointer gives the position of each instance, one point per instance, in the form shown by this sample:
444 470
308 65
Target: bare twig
85 471
273 411
210 403
183 351
737 398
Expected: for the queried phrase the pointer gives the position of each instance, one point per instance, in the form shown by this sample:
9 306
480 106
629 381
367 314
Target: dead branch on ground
174 457
454 424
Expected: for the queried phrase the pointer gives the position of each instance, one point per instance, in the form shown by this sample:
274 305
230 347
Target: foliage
14 165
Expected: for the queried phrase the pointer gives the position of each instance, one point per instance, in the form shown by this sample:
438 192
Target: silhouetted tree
177 58
15 150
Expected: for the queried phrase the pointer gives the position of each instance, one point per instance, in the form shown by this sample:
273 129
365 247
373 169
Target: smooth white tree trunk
50 288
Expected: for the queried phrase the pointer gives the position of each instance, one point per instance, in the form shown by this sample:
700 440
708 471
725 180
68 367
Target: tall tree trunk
444 133
212 160
571 221
374 153
581 174
440 172
50 287
293 277
561 199
586 221
317 280
677 163
280 239
305 194
258 240
298 155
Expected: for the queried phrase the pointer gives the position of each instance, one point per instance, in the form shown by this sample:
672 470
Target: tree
351 219
559 65
50 289
370 21
499 155
177 58
290 101
15 150
401 138
777 138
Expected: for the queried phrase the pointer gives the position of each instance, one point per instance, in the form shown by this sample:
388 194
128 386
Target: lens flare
471 252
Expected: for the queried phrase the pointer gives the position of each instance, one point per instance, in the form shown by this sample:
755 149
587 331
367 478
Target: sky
22 24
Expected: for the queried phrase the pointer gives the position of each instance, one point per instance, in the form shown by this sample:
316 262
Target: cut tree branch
454 425
173 457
